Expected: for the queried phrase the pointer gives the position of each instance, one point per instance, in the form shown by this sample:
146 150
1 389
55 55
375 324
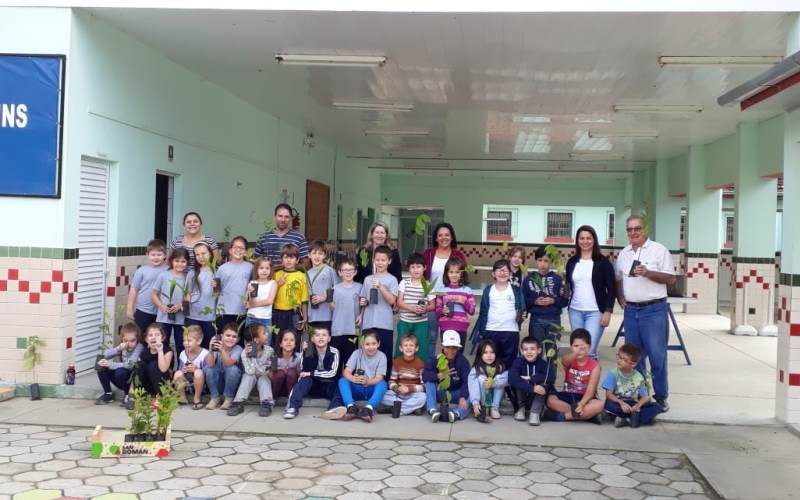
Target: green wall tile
3 251
13 251
22 342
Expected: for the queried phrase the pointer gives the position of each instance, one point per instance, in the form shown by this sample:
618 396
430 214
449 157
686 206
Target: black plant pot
186 307
96 361
254 293
482 415
171 316
444 409
450 306
296 319
373 296
35 393
329 295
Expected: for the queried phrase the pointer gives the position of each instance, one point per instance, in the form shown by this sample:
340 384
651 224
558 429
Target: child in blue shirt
459 368
531 378
544 300
627 398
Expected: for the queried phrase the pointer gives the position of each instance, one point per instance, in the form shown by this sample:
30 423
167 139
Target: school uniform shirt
200 361
459 321
178 243
412 294
346 309
234 278
538 372
407 373
631 386
162 287
576 377
128 359
379 315
262 312
655 257
320 279
260 364
299 291
583 298
144 280
235 353
502 311
372 365
201 296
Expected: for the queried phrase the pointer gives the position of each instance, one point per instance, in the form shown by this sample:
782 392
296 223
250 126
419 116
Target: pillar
702 236
787 397
638 192
753 283
667 218
621 212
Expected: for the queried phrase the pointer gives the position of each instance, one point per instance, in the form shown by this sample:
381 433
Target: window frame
512 224
559 239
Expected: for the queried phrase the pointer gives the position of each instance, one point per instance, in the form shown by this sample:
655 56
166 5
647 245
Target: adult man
270 243
644 269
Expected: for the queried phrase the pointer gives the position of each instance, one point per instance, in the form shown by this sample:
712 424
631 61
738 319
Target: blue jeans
309 387
590 320
351 392
544 327
647 328
224 379
434 394
433 334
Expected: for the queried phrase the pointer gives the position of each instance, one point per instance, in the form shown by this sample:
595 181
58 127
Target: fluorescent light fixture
532 141
372 106
530 119
623 134
426 164
397 132
657 108
585 143
597 156
434 173
592 119
423 155
719 60
330 60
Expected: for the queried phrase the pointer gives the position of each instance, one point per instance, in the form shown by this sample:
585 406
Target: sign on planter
31 111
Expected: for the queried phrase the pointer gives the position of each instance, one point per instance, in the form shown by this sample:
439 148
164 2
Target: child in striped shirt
455 301
406 393
414 306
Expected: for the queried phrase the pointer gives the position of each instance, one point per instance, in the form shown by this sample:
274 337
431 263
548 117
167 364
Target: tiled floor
55 461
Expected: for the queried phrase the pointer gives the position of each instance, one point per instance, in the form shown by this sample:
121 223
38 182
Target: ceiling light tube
597 156
330 60
372 106
397 132
719 60
657 108
623 134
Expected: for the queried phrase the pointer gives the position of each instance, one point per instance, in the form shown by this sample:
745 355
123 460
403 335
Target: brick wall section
702 274
37 297
754 280
118 280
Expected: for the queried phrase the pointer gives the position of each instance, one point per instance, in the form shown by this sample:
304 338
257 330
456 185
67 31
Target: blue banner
30 125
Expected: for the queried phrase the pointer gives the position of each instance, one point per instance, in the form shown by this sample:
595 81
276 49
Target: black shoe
419 411
236 409
396 409
634 419
104 399
365 414
663 405
597 419
352 412
265 410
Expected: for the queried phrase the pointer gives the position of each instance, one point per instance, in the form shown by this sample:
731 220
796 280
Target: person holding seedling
190 367
201 296
406 393
347 310
544 298
222 370
627 395
578 400
531 377
317 377
487 380
140 307
381 289
415 300
257 361
261 295
321 280
445 378
290 309
363 379
119 372
168 295
455 302
231 283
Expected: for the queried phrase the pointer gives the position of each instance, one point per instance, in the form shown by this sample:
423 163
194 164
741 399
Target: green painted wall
678 175
34 31
722 157
770 146
357 187
462 197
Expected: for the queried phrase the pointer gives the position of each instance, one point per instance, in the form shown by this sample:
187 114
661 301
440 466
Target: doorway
410 242
165 196
318 200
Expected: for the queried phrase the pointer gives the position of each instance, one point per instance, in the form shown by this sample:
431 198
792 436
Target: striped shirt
270 245
178 243
407 373
412 294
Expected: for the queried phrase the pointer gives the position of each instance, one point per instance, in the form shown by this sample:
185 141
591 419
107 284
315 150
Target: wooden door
318 198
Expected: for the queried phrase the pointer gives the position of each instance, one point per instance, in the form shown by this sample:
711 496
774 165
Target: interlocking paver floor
49 462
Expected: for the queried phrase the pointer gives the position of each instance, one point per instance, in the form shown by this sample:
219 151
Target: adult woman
591 279
193 225
378 235
443 246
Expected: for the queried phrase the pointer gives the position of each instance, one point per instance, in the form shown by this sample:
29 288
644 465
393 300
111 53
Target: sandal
197 406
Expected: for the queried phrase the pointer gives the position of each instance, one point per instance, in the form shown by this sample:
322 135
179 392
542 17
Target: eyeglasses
637 229
345 270
502 270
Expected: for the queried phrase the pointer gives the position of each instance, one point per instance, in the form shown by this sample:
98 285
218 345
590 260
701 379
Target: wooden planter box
106 443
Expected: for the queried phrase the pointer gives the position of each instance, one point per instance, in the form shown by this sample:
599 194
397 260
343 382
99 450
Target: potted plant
557 265
427 289
173 285
487 394
31 358
149 433
443 368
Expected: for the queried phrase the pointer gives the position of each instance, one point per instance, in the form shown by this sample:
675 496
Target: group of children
203 310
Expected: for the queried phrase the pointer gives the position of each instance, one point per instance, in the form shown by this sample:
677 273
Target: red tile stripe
794 379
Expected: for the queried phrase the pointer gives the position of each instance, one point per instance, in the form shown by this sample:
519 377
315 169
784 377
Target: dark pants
386 339
506 343
283 381
531 401
143 320
544 327
346 345
206 326
309 387
237 319
176 331
119 377
151 377
647 413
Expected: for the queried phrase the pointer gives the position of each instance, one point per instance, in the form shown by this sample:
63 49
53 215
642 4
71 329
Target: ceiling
487 86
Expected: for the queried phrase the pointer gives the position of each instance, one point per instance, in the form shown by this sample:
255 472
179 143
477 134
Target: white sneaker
334 413
520 415
619 422
290 413
533 419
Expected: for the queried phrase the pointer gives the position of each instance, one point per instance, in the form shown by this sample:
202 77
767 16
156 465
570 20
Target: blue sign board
31 110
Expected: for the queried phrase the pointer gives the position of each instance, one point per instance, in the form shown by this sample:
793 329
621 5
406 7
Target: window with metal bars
559 225
498 224
729 226
610 233
683 229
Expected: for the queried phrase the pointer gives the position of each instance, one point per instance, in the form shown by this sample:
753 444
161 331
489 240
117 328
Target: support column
753 283
638 192
668 213
621 212
787 397
702 236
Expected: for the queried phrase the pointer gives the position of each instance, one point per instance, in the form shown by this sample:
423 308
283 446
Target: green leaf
420 223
